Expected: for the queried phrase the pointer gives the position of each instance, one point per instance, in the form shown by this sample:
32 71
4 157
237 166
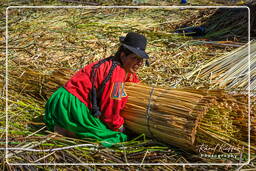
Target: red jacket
113 98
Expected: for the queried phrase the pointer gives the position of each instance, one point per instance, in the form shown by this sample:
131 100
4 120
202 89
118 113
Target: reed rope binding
148 113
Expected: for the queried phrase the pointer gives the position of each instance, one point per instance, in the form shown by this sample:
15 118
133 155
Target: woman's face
131 63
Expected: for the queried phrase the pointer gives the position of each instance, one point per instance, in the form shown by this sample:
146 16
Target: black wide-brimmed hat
136 43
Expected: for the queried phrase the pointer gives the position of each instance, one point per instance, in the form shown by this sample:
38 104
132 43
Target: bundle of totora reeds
180 117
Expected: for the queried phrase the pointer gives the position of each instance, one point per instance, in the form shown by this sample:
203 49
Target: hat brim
138 52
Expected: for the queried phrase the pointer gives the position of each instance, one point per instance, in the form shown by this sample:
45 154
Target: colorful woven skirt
66 111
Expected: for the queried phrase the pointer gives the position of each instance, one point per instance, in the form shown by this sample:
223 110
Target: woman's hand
121 129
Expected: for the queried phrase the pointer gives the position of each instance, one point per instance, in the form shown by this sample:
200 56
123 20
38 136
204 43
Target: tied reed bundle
180 117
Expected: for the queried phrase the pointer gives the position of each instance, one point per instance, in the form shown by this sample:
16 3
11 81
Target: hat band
138 48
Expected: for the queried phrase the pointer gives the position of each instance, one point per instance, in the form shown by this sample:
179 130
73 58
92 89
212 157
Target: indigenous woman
88 106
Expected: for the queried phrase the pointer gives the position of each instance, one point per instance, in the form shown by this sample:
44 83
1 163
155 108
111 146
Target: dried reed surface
226 23
230 71
46 46
118 2
58 44
53 148
187 117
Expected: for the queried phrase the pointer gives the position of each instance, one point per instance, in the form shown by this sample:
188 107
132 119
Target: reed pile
230 71
181 117
226 23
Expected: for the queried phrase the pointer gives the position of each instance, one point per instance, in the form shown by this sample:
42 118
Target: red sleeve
113 99
112 104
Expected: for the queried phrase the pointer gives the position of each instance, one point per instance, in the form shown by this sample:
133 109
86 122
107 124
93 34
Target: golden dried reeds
230 71
173 116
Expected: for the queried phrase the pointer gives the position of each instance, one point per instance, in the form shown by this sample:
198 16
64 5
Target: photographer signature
223 148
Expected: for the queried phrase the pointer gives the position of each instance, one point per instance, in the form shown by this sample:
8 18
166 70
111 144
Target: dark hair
122 49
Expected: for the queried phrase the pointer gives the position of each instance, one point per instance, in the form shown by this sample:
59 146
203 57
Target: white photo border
131 7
